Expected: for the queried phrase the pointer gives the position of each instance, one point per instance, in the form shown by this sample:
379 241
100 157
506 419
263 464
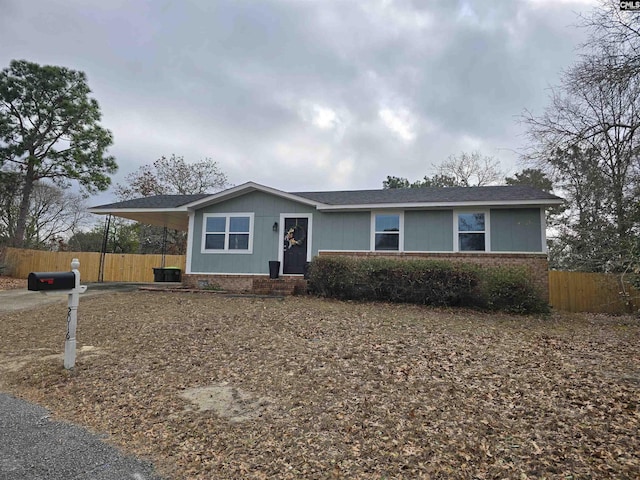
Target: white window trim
372 239
226 249
487 229
543 227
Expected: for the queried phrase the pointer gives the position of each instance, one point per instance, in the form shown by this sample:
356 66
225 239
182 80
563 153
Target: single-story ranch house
233 235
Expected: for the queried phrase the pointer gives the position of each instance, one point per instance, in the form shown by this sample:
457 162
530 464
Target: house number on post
56 283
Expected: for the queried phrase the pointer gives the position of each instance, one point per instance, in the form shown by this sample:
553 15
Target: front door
295 243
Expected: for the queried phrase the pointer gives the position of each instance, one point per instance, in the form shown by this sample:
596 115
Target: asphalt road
33 447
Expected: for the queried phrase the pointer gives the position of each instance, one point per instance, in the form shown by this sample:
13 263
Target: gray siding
267 209
341 231
516 230
428 230
512 230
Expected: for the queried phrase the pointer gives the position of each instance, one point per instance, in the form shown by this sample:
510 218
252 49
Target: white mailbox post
56 283
72 317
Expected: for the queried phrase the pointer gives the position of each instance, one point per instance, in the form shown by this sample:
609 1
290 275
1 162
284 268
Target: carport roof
162 210
157 201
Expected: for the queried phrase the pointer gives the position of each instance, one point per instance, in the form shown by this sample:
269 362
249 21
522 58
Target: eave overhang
174 218
442 205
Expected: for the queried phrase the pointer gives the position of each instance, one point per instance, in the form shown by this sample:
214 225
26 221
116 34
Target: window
387 231
228 233
471 228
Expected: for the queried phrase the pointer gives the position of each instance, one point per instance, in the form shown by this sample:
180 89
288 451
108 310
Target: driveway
21 299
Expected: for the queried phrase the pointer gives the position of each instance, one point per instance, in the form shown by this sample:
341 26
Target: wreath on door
295 236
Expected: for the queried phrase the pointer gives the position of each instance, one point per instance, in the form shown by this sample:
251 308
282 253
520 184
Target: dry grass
310 388
10 283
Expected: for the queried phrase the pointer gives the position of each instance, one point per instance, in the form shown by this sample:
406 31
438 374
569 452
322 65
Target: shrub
511 290
417 281
426 282
335 277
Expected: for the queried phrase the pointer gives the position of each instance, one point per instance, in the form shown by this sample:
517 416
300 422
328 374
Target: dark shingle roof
430 195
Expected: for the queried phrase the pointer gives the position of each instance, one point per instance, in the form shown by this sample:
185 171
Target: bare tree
172 175
52 214
471 169
601 118
464 170
614 38
587 140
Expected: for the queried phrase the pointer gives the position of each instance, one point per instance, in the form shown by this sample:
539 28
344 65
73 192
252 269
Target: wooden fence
117 267
592 292
568 291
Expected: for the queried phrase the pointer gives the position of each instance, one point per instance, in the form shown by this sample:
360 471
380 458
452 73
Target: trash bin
274 269
167 274
172 274
158 274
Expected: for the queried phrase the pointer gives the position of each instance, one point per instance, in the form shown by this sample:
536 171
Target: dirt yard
209 386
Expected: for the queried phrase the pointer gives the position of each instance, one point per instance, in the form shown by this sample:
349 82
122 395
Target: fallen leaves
10 283
354 390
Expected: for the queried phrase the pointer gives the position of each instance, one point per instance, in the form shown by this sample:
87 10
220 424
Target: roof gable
248 188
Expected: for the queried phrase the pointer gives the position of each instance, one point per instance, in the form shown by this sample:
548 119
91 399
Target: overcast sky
300 94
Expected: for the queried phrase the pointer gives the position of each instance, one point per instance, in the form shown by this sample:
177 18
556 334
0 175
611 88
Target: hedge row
426 282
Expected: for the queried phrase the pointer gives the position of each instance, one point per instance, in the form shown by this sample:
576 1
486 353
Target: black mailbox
45 281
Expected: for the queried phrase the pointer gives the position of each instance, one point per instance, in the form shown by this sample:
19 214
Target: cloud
305 95
324 117
399 122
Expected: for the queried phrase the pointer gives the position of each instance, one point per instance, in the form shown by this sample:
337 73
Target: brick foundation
253 284
536 263
280 286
